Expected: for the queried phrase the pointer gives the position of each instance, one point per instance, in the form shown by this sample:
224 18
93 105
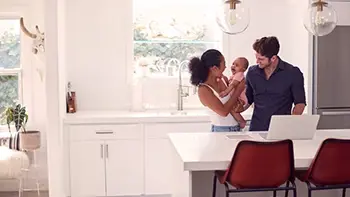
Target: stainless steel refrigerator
331 79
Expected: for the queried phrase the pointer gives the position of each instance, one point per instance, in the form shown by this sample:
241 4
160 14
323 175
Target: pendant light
232 17
320 18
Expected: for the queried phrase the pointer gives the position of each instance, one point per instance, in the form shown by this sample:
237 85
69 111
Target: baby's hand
222 94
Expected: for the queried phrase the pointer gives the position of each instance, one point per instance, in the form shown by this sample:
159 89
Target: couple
273 85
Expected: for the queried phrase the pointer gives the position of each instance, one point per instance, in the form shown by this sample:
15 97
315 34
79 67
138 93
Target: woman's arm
208 98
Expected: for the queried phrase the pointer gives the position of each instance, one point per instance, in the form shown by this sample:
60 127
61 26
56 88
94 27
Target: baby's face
237 66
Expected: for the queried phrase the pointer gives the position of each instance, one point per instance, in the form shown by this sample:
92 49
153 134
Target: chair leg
344 192
309 192
286 193
274 193
294 192
214 186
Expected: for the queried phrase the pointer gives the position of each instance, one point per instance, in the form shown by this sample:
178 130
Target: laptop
294 127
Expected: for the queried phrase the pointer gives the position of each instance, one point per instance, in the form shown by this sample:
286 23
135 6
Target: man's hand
298 109
242 124
239 107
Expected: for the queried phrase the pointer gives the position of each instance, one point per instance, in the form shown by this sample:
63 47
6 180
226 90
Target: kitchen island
203 153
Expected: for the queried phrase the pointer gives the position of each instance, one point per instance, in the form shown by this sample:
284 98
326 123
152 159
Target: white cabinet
106 160
127 159
124 168
164 172
87 169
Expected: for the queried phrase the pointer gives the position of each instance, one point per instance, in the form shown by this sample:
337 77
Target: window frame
24 97
223 45
221 42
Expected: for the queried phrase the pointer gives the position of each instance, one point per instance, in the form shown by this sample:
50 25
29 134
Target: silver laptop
294 127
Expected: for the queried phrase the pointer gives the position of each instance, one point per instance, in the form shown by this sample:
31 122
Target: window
10 68
168 33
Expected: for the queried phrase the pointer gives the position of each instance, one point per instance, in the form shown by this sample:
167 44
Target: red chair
259 166
330 168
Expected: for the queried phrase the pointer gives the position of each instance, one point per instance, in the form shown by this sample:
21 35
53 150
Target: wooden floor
25 194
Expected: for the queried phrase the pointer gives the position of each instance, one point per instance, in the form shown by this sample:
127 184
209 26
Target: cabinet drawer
162 130
105 132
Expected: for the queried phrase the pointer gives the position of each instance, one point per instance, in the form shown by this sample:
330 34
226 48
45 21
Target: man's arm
249 91
298 92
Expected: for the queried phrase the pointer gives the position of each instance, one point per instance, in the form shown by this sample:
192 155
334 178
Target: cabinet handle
104 132
107 151
101 147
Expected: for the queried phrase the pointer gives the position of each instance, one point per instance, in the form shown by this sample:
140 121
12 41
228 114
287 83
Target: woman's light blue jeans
235 128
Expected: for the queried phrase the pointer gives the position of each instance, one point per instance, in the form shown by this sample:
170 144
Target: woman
206 72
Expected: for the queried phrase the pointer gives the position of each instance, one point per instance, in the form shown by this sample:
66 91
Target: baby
239 66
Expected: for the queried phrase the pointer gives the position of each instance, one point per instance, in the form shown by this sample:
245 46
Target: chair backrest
261 164
331 164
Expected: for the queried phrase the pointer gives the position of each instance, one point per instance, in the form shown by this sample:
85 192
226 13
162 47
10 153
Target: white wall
97 52
98 60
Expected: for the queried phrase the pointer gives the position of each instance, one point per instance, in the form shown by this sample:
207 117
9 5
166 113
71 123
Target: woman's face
219 69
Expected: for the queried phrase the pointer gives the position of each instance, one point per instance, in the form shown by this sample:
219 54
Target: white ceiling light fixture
233 17
320 18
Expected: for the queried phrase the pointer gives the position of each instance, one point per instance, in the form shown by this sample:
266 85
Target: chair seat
220 174
302 175
12 162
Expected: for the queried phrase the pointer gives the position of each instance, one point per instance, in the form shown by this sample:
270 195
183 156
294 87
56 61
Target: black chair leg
294 192
309 192
286 193
344 192
274 193
214 186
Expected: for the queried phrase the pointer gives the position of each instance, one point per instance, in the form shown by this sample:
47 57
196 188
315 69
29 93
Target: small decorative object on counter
71 99
28 139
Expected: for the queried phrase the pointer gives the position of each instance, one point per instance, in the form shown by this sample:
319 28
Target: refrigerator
331 79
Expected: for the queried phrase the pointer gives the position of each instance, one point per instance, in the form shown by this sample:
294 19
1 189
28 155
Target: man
273 85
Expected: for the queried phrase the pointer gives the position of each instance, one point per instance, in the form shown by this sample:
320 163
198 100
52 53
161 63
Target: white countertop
100 117
214 151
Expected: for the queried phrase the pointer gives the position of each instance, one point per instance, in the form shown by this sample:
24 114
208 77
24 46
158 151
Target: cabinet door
125 167
87 169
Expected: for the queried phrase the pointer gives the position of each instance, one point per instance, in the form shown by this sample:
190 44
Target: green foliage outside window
9 58
159 52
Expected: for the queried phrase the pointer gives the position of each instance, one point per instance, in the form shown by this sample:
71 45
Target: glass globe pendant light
232 17
320 19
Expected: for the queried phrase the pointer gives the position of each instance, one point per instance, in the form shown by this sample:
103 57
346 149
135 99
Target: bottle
71 99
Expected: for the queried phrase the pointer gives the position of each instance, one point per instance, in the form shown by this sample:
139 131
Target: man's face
262 61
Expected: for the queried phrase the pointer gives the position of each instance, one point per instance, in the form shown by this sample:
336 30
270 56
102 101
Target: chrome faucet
170 68
180 90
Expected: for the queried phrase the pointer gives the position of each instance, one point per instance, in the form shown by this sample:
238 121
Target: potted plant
28 139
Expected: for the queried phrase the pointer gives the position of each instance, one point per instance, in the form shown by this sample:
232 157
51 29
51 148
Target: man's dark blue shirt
273 96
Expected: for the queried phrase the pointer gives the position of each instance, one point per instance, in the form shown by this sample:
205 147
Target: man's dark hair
267 46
